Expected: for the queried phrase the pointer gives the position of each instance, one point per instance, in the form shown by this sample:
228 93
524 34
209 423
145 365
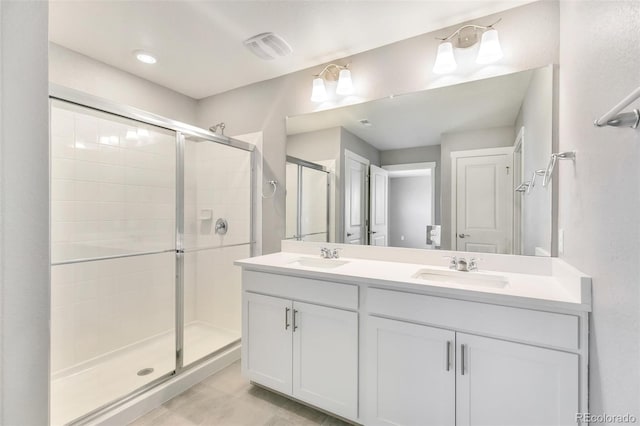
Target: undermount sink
318 262
465 278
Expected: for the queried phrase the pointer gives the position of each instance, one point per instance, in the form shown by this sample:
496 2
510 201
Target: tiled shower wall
217 185
113 192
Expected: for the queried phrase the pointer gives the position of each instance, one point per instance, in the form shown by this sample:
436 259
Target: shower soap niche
206 214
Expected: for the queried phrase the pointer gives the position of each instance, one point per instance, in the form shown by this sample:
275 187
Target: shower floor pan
117 375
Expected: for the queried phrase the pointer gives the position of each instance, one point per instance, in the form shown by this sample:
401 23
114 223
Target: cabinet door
511 384
266 341
410 374
325 358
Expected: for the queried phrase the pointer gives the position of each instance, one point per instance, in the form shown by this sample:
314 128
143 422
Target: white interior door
482 184
378 206
355 198
511 384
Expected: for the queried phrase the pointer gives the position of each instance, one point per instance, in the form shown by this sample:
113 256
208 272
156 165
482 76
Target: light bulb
345 85
445 61
319 93
490 50
145 57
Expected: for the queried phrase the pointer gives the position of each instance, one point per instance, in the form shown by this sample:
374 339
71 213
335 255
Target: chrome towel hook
567 155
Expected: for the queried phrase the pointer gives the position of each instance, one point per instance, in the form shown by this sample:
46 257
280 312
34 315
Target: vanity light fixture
145 57
464 37
332 72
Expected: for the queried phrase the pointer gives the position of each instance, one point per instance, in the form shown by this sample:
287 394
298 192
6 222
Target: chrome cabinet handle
286 318
448 360
463 360
463 235
295 326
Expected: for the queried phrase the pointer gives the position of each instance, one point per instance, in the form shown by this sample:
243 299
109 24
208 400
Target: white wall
462 141
599 198
409 211
72 69
528 35
536 115
24 215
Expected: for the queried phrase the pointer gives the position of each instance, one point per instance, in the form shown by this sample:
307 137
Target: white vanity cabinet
424 375
302 349
382 352
511 384
411 374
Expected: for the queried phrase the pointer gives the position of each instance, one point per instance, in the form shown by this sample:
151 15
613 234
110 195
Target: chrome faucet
461 264
327 253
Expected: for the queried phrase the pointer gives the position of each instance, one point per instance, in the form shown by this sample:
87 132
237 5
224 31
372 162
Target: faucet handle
453 262
335 253
324 252
473 263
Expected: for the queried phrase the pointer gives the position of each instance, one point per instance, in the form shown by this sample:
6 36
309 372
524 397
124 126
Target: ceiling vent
268 46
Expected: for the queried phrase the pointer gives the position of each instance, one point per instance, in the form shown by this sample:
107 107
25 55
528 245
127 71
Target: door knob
463 235
373 232
349 234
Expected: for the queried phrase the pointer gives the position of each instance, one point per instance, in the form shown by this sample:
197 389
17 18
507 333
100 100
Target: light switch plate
560 241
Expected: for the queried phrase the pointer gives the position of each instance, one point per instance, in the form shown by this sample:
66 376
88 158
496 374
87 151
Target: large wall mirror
458 168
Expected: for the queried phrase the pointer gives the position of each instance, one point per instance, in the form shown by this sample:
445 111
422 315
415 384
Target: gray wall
359 146
24 214
599 198
77 71
422 154
462 141
409 211
529 37
314 146
536 115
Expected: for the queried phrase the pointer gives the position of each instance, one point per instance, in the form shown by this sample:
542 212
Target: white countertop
546 292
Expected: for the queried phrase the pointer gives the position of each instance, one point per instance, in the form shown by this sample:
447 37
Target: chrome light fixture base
332 72
464 38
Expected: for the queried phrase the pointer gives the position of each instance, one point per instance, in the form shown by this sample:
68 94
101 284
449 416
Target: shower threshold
116 375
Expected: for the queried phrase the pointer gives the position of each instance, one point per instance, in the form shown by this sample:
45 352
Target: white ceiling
420 118
199 43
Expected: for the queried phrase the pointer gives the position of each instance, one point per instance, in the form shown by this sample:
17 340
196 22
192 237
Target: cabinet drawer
307 290
537 327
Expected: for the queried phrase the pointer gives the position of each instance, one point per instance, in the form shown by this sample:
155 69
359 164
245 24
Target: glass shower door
314 208
217 231
113 258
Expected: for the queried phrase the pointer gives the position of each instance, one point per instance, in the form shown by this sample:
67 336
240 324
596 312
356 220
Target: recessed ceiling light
145 57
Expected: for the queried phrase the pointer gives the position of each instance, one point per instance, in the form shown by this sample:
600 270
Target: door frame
518 177
365 203
454 182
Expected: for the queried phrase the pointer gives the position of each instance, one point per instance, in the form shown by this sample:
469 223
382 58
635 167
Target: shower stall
147 217
307 201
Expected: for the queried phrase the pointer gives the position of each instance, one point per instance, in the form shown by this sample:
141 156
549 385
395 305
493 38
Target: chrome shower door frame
300 163
182 130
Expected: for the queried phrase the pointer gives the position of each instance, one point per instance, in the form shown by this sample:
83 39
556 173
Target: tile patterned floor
227 399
